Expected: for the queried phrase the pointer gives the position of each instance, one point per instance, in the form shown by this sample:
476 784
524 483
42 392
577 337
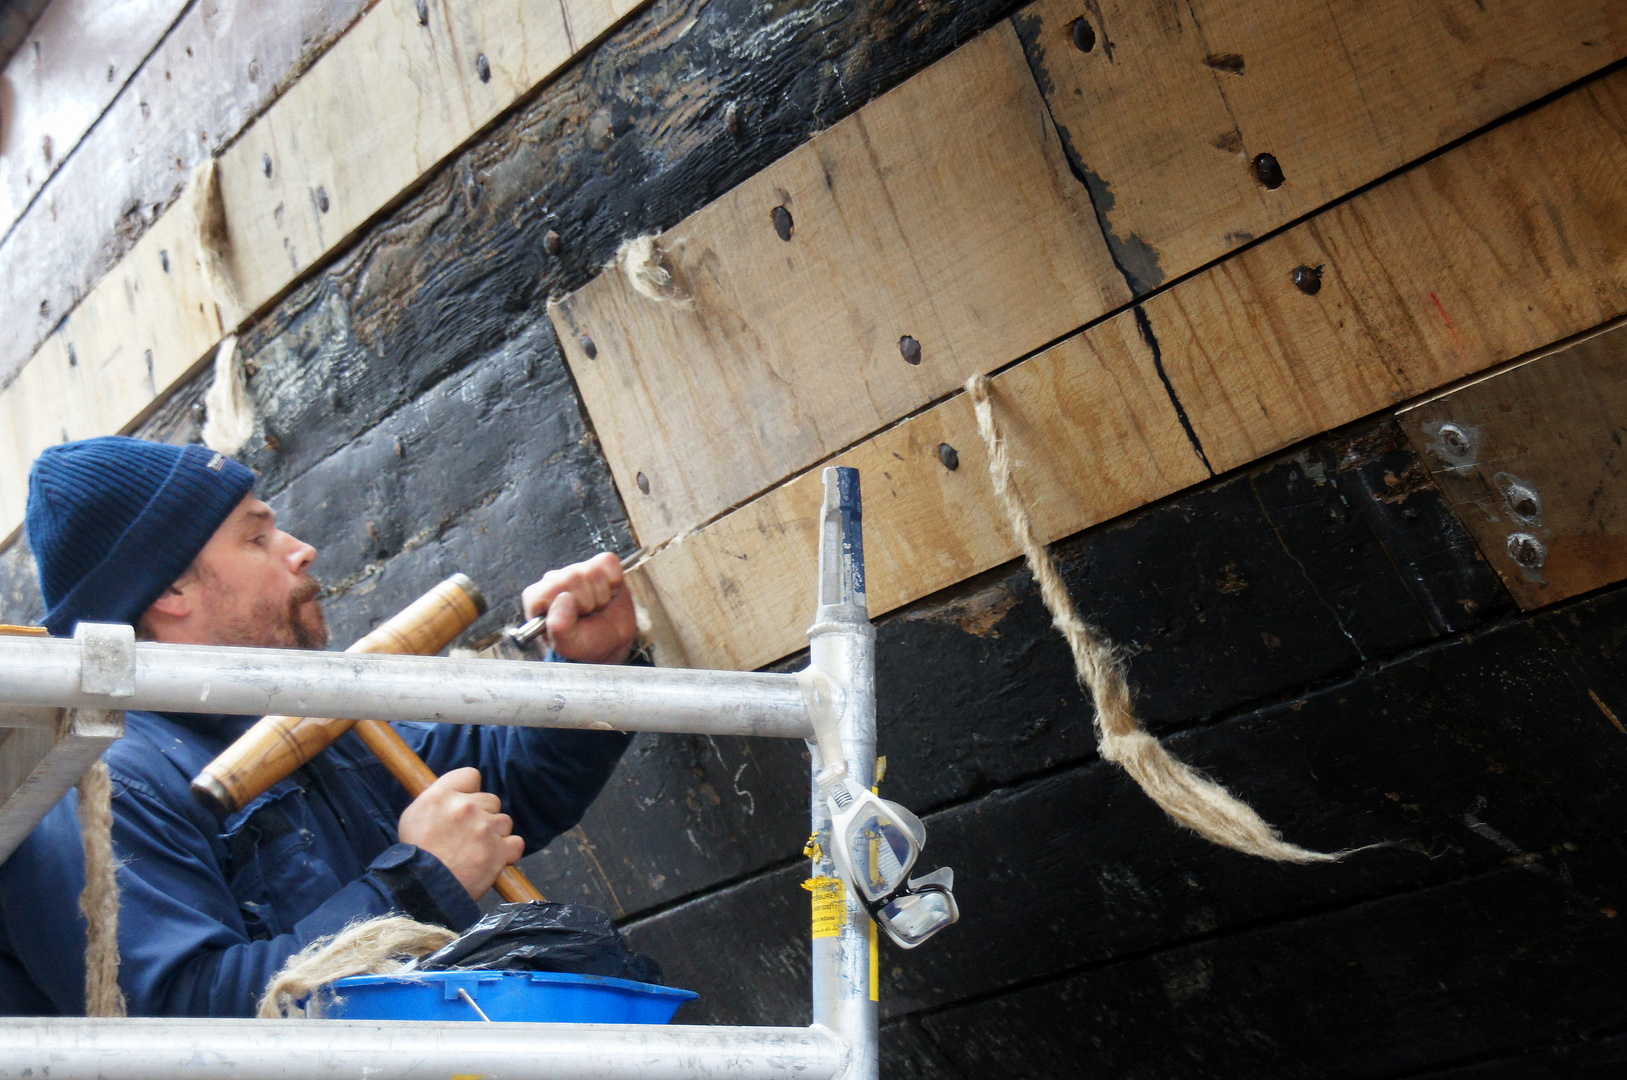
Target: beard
297 623
307 624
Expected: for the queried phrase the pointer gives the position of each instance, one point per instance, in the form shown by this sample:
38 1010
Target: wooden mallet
277 745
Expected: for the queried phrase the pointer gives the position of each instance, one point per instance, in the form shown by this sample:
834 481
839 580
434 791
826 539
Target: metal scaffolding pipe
235 1049
361 686
842 645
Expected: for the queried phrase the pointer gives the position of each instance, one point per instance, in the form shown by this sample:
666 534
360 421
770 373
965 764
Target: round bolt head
1455 444
483 68
643 483
1527 550
265 164
947 455
588 347
783 225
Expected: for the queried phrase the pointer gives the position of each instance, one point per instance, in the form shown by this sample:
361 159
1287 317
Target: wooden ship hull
1304 323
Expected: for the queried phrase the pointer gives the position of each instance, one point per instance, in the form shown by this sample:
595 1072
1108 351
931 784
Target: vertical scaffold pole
842 645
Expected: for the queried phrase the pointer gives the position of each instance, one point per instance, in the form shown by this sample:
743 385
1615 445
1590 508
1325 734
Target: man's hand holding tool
585 611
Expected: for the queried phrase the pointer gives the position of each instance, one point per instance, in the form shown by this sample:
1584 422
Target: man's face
250 586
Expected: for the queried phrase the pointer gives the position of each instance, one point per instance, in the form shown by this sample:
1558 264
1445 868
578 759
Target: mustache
306 591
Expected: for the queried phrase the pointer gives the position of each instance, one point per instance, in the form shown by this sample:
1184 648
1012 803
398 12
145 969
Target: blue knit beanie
114 521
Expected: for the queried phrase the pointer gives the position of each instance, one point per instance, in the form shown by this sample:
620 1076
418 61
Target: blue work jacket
210 909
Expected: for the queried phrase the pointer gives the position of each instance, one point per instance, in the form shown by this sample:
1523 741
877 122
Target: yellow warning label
875 965
829 905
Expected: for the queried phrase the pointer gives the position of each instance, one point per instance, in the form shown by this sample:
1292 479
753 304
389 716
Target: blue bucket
539 996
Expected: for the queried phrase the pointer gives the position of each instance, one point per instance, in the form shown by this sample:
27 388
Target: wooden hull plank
1531 459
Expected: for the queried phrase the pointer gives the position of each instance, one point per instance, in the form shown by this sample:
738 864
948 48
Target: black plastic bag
570 938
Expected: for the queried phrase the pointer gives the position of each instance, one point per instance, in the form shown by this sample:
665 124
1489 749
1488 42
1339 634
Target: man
172 541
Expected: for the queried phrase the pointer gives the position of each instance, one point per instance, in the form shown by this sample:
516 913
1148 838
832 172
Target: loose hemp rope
1193 801
100 899
384 945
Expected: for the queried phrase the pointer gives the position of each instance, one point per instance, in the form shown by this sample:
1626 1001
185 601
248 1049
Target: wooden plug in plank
1509 242
935 233
1530 459
1092 436
39 764
1166 109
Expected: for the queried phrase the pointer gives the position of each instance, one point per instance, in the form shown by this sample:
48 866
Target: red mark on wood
1447 319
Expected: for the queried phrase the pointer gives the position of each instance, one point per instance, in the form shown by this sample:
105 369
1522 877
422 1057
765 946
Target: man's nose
300 555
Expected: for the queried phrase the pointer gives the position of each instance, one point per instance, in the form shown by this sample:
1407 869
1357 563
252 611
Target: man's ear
175 603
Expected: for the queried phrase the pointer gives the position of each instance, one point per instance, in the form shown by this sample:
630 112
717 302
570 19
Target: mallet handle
277 745
389 747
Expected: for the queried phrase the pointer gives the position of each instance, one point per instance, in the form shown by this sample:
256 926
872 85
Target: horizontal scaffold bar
359 686
235 1049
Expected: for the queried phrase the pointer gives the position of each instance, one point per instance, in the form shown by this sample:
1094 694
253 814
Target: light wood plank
75 60
1173 102
1507 243
39 764
144 330
1531 461
944 211
219 67
1522 232
386 103
1092 434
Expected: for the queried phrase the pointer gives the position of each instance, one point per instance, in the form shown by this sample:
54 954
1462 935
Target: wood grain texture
148 326
1093 435
1509 242
78 57
386 104
1531 459
217 68
943 211
1521 233
380 109
1172 103
39 764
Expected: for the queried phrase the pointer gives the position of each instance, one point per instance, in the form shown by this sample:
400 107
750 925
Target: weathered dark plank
1592 1059
1085 863
1295 570
1494 961
744 948
490 472
683 814
1289 573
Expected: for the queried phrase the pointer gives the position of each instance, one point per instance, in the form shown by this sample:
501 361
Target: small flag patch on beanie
217 462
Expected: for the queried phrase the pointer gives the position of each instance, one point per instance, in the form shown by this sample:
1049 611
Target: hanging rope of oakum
100 899
1195 802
